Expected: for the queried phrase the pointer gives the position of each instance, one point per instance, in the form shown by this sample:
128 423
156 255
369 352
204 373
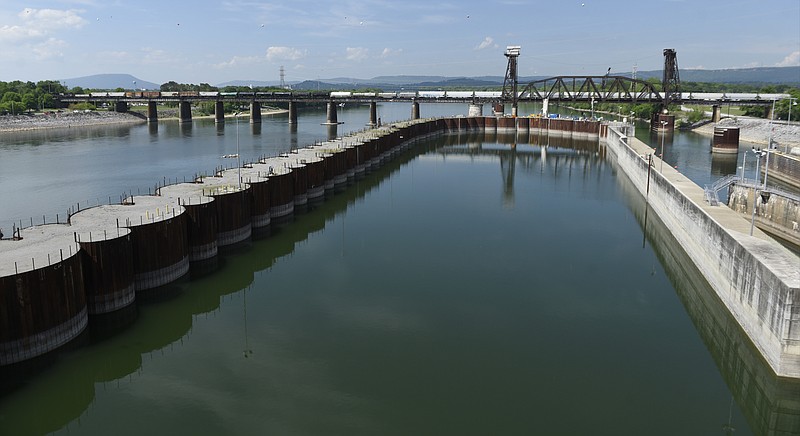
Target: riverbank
56 120
757 131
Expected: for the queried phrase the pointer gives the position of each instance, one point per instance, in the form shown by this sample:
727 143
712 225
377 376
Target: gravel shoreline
19 123
757 131
55 120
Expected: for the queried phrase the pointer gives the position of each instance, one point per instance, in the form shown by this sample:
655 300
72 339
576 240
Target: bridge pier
662 122
716 114
292 113
475 110
152 112
373 114
415 110
121 107
332 119
499 109
255 112
185 111
219 112
768 112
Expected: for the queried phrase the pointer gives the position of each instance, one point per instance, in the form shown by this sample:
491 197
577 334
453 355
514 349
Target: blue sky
217 41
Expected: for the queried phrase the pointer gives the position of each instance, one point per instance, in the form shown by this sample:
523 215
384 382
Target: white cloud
792 60
238 61
486 43
388 52
285 54
49 49
39 26
357 53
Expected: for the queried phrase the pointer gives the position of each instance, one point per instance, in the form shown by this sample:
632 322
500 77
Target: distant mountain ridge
761 75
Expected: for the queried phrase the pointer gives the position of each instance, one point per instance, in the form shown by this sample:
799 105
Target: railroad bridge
572 89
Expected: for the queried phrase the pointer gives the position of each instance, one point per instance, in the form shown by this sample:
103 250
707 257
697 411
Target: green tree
29 101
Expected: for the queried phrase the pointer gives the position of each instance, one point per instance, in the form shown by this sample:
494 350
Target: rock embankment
15 123
757 131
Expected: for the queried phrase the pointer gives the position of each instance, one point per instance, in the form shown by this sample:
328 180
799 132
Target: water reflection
67 390
770 404
723 164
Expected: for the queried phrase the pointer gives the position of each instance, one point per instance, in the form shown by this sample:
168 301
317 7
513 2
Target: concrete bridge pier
333 131
768 112
716 114
185 112
373 114
255 112
121 107
475 110
292 113
332 119
152 112
414 110
219 112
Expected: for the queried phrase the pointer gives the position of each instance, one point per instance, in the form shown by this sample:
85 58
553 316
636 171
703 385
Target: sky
213 42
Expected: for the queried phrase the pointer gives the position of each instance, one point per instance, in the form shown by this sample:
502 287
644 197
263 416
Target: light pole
663 135
758 153
744 164
238 156
769 144
592 108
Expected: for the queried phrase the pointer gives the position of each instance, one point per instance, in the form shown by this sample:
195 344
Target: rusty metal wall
234 217
108 274
41 310
202 229
506 123
160 252
726 139
259 202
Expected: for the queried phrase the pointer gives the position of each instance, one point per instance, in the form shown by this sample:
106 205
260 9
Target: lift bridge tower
510 82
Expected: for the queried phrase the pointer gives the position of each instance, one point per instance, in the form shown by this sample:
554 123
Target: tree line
19 97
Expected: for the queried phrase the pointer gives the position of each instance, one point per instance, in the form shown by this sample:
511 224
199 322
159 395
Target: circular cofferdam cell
42 295
490 123
523 124
107 269
506 124
233 200
472 123
314 169
201 218
159 233
451 124
280 186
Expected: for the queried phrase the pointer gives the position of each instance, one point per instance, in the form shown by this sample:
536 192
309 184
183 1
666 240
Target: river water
466 287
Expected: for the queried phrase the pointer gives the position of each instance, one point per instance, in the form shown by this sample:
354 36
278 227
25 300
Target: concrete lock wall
779 216
757 279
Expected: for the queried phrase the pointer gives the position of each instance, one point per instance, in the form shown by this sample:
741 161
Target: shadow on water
770 404
67 379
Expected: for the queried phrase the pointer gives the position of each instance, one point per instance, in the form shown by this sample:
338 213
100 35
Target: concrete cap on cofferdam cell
137 210
34 247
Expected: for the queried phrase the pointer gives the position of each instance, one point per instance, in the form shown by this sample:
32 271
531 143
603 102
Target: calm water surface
465 288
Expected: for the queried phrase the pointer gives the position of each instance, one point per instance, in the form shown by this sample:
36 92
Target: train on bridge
408 95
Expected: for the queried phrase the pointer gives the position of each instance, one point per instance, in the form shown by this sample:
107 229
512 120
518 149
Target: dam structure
57 279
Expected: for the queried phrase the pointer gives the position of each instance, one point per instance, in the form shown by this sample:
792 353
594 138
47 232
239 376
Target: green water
469 290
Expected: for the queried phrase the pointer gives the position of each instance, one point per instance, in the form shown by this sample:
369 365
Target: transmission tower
510 82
